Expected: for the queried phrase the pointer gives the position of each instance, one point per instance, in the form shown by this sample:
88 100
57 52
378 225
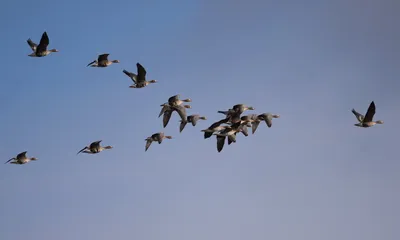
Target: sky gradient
312 176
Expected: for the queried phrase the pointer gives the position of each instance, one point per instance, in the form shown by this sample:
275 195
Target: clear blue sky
312 176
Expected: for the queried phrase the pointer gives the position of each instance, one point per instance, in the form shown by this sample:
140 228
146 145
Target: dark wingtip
207 135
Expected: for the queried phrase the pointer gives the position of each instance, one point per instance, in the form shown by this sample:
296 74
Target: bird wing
44 42
254 126
95 145
148 143
194 119
358 115
21 155
220 143
268 121
141 76
103 57
10 160
90 63
182 125
131 75
244 130
163 109
181 111
82 150
32 44
167 117
370 113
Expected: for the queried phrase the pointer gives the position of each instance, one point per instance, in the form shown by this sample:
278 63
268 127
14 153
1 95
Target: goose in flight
41 49
21 159
229 132
94 148
156 137
166 107
181 110
367 120
238 108
102 61
215 127
253 120
191 119
139 79
174 100
267 117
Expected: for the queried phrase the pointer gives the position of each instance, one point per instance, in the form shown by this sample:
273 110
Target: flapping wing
182 125
358 115
268 121
148 143
83 149
244 130
194 119
22 155
32 44
166 117
90 63
207 134
181 111
9 160
131 75
141 76
44 42
370 113
95 144
103 57
220 143
163 109
254 126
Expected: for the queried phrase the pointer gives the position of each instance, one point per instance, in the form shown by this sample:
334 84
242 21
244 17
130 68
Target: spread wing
207 134
141 76
370 113
148 143
32 44
44 41
268 121
254 126
182 125
9 160
194 119
90 63
220 143
131 75
359 116
83 149
163 109
244 130
94 145
103 57
181 111
21 155
166 117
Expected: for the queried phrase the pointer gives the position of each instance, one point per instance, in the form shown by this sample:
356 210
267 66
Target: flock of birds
226 128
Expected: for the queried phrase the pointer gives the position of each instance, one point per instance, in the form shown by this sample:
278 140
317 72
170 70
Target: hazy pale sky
312 176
